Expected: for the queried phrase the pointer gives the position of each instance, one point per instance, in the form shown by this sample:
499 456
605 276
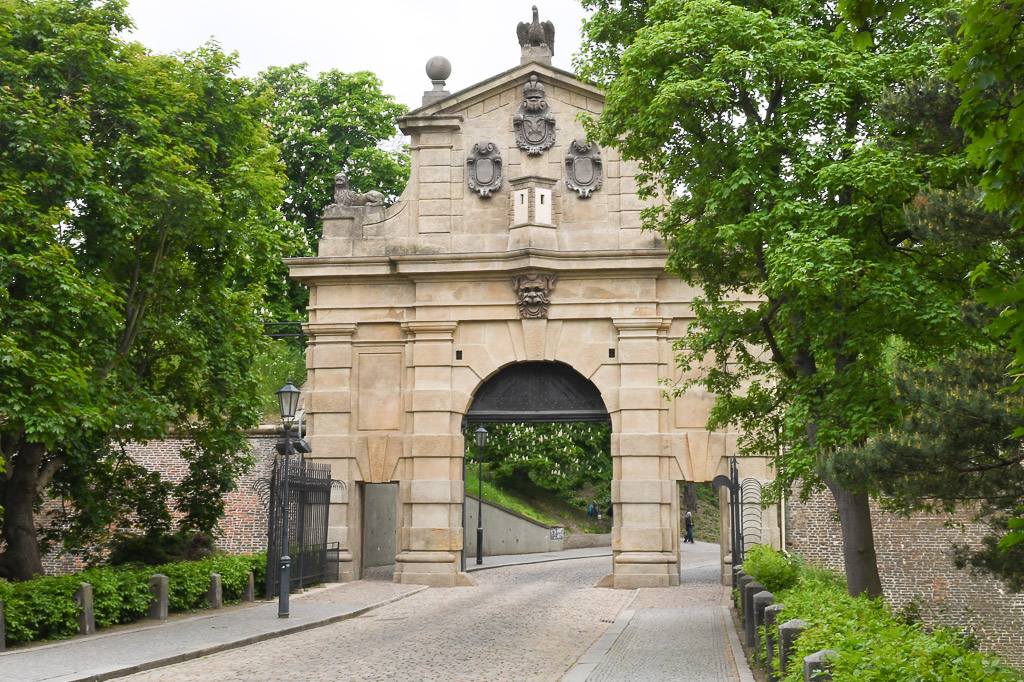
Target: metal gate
309 498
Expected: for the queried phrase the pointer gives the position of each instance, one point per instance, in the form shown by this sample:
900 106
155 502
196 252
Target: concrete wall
915 562
506 532
380 511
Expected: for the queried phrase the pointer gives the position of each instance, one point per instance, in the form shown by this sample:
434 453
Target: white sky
392 38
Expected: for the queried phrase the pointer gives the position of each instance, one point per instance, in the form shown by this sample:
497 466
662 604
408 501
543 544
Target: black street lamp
481 440
288 399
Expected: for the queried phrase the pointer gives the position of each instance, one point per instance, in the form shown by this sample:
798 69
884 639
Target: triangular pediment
467 97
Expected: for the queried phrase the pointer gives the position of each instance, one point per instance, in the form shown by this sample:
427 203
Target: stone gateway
415 307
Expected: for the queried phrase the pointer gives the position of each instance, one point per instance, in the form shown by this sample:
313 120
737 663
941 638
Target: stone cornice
429 123
459 265
315 329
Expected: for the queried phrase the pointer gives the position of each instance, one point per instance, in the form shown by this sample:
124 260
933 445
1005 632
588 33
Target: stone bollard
788 632
86 617
3 628
213 595
816 666
762 600
249 595
749 591
160 591
736 577
744 581
771 619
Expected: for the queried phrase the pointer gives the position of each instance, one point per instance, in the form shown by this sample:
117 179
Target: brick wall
915 561
242 530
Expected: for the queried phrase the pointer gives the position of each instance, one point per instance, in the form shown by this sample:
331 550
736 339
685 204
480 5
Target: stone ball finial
438 70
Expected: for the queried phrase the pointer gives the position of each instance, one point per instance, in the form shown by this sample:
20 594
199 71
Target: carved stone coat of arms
534 122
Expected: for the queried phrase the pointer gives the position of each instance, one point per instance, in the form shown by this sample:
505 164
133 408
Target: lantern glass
481 437
288 398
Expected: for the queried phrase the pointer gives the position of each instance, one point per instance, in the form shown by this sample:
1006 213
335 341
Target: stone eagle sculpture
537 33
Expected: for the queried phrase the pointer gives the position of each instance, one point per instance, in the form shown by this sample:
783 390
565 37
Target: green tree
952 448
565 459
992 113
138 212
988 70
989 73
322 125
759 124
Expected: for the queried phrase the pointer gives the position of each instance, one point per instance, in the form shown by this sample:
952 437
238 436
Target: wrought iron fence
309 498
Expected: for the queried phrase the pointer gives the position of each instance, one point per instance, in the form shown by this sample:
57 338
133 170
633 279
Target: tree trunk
690 496
858 542
21 559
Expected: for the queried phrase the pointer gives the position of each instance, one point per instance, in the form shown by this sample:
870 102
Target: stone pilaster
329 431
645 539
431 489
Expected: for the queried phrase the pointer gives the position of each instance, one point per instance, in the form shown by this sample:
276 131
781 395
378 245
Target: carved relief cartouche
533 122
583 168
483 169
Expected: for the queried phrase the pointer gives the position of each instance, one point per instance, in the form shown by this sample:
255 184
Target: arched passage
548 445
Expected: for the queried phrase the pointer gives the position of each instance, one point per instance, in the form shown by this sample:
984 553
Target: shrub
189 580
44 608
874 644
770 568
119 595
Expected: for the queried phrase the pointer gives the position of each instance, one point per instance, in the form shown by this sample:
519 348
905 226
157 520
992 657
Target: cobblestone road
519 623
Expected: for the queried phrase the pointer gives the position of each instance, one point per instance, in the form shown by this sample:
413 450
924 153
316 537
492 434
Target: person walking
688 522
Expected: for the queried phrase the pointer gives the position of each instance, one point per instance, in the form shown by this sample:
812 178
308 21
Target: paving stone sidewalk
123 651
679 634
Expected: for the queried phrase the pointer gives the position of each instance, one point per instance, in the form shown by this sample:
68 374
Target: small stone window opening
611 352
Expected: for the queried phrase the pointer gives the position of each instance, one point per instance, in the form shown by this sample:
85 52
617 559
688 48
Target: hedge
44 608
872 642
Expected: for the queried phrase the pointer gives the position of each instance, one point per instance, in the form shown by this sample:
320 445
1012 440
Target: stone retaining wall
916 563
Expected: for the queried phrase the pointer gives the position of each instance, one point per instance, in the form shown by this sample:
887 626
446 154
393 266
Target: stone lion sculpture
343 196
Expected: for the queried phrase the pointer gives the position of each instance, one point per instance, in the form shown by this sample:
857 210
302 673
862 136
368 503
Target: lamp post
481 440
288 399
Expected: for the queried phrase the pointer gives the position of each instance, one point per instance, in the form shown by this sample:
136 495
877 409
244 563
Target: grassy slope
706 527
538 504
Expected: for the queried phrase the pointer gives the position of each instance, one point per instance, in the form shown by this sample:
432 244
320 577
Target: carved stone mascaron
534 122
532 290
483 169
583 168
